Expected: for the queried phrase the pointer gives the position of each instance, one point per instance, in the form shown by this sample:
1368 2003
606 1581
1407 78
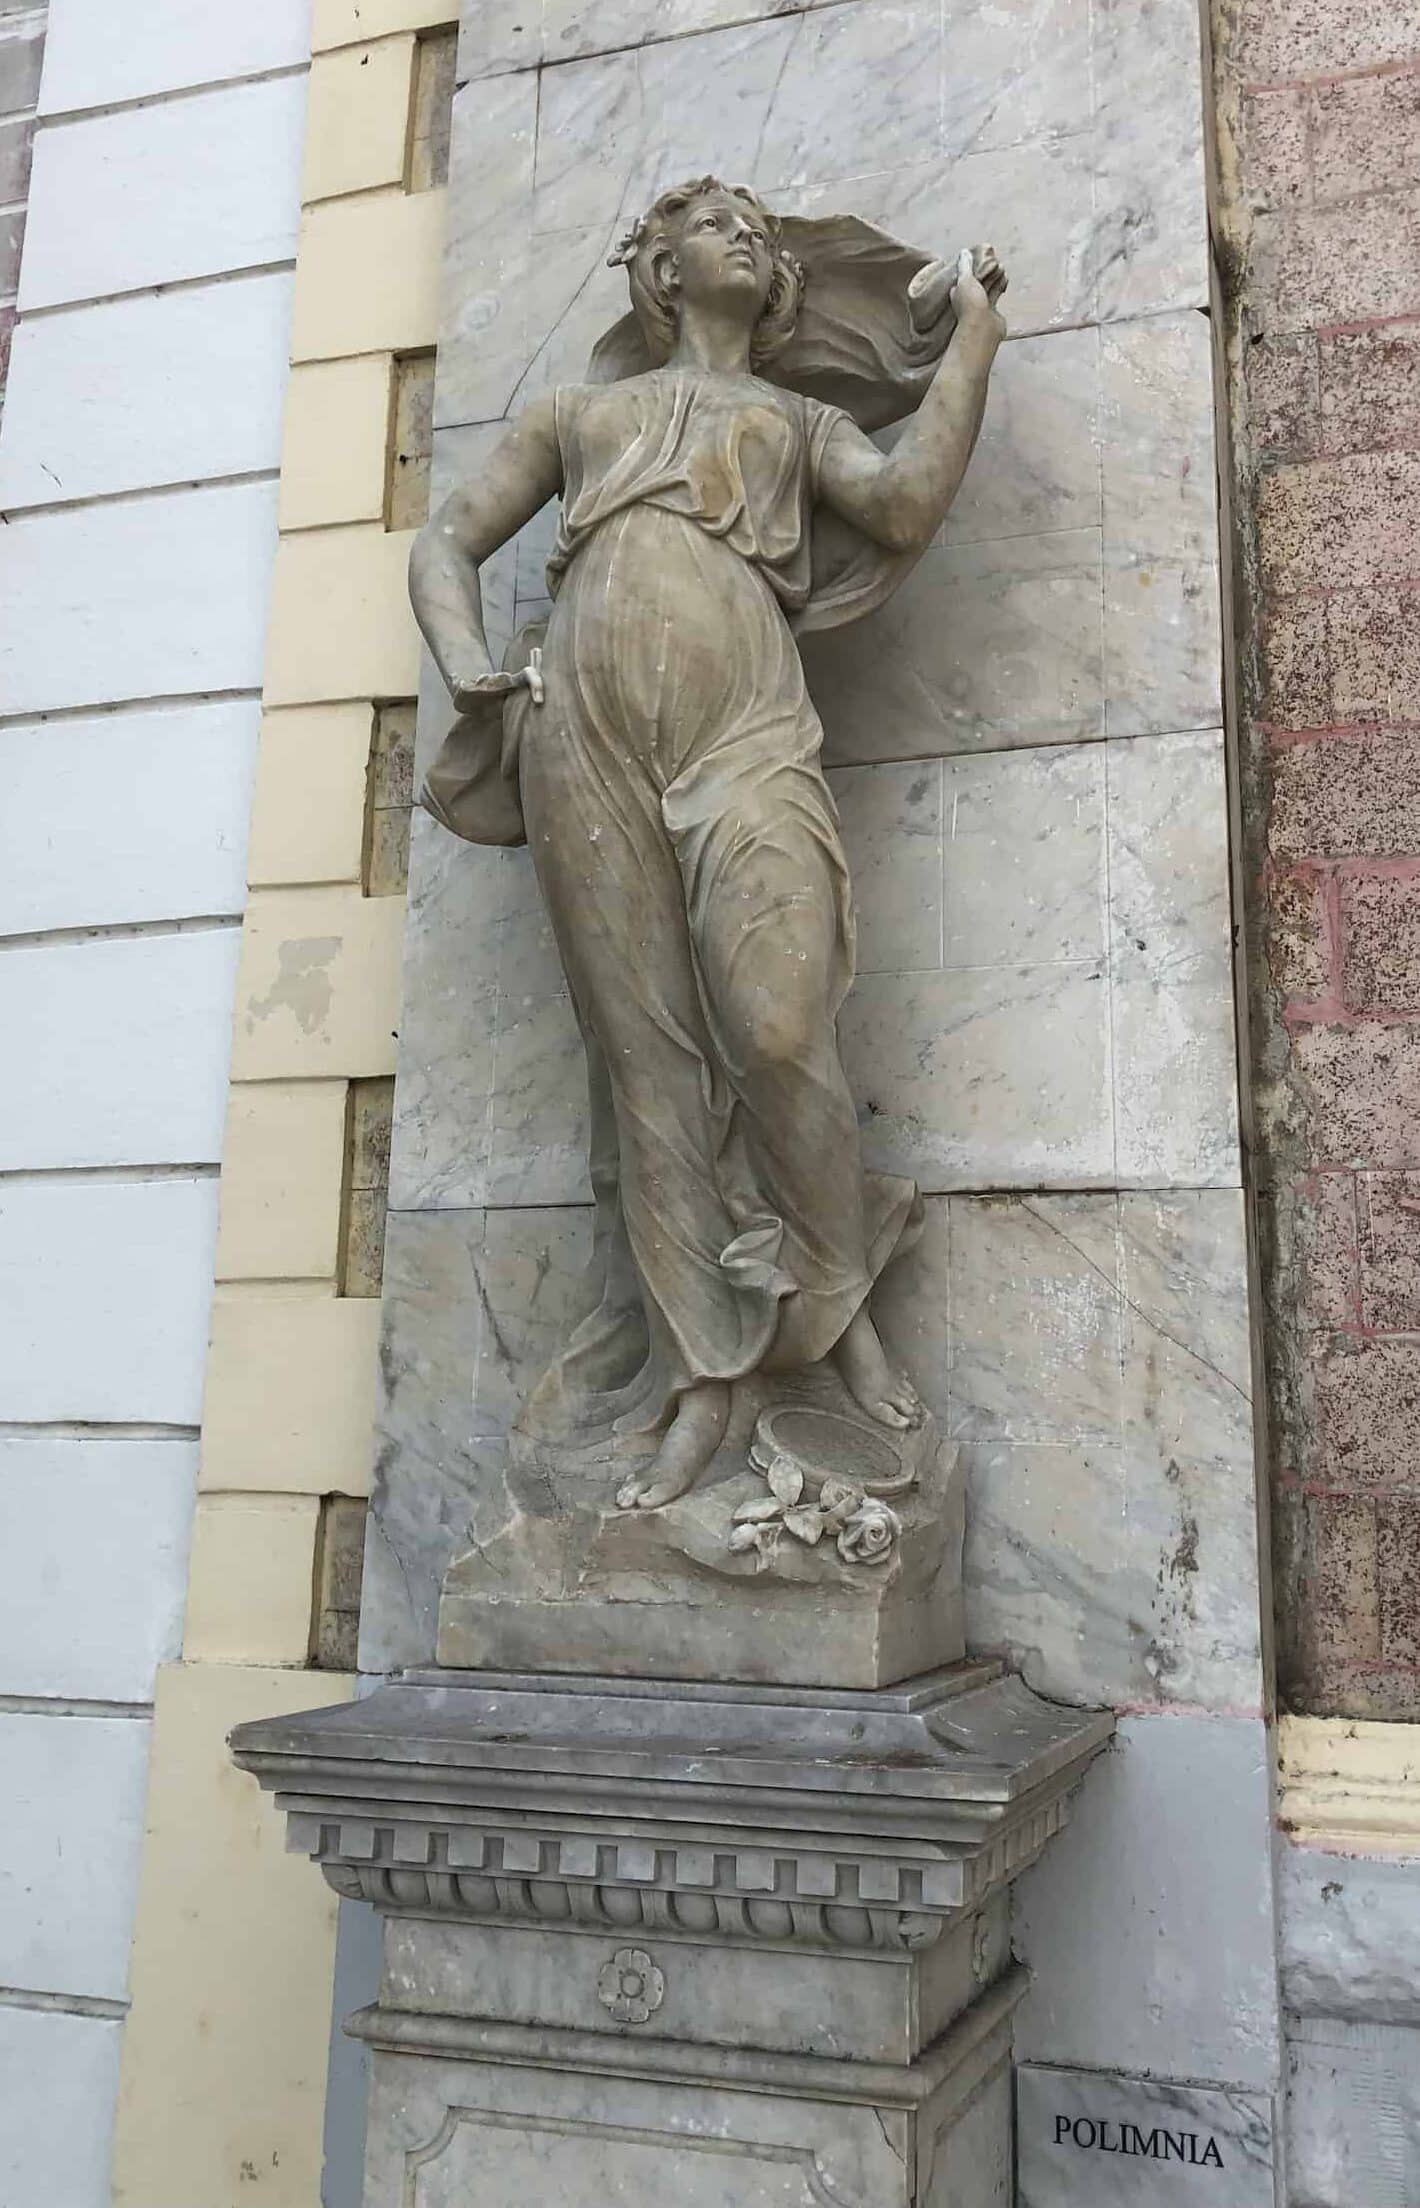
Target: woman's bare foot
696 1432
887 1396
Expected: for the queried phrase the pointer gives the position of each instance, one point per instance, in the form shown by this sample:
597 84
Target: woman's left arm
899 498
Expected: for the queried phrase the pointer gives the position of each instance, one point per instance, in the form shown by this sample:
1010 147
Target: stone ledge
961 2061
853 1820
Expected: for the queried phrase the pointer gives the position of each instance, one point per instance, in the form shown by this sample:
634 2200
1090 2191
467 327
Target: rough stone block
16 143
94 1565
1368 1396
1332 1632
1374 642
1324 1224
1380 922
1398 1571
1295 665
1357 794
1282 395
1299 945
21 54
1359 1084
1325 36
1275 167
1369 387
1322 265
1333 523
1365 135
163 192
1389 1251
74 1791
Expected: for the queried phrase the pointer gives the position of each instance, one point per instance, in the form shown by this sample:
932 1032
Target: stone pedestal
705 1944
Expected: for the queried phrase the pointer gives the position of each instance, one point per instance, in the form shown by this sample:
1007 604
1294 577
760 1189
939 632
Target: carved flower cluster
864 1528
630 1986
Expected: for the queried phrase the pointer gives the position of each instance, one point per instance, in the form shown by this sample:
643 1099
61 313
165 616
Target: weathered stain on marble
1099 1384
473 1307
1171 952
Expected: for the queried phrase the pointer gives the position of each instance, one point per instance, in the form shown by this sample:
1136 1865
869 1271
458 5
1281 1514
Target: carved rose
868 1535
630 1986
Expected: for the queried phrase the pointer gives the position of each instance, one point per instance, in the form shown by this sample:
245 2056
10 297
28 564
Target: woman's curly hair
643 247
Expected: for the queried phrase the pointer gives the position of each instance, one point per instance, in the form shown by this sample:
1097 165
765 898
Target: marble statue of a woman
664 755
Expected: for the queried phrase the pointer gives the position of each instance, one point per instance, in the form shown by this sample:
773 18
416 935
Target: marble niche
707 1884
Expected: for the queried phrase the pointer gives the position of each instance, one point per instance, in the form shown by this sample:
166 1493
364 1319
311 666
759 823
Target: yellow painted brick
290 1395
338 22
251 1579
318 985
335 452
283 1163
340 623
358 117
308 811
367 275
226 2044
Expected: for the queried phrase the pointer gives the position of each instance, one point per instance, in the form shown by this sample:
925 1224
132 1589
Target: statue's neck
712 343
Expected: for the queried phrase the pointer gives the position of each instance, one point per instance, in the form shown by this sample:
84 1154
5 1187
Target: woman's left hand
980 281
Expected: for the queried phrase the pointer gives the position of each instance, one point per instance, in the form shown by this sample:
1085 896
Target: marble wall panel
1043 996
1148 1924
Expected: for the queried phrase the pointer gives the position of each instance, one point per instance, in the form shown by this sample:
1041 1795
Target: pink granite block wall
1317 222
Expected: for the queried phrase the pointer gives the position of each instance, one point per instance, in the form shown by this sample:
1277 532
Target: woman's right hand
468 690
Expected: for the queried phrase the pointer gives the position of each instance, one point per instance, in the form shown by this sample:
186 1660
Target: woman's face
722 252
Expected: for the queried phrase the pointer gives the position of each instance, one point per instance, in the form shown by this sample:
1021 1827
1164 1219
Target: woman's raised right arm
514 484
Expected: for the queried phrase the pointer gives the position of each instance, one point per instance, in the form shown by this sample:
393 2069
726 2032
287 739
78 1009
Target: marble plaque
1090 2139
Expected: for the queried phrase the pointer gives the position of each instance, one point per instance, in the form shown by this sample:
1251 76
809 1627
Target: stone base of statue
819 1549
723 1946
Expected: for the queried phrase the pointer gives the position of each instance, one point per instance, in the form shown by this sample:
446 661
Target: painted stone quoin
655 745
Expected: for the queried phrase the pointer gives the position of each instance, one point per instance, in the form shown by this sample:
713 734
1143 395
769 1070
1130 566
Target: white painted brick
73 1789
123 1047
146 598
156 195
101 51
128 816
93 1565
104 1292
56 2112
190 386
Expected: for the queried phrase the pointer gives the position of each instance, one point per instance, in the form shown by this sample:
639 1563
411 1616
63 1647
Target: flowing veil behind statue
874 324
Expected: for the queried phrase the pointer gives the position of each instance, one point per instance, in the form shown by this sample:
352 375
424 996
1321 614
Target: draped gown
689 854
